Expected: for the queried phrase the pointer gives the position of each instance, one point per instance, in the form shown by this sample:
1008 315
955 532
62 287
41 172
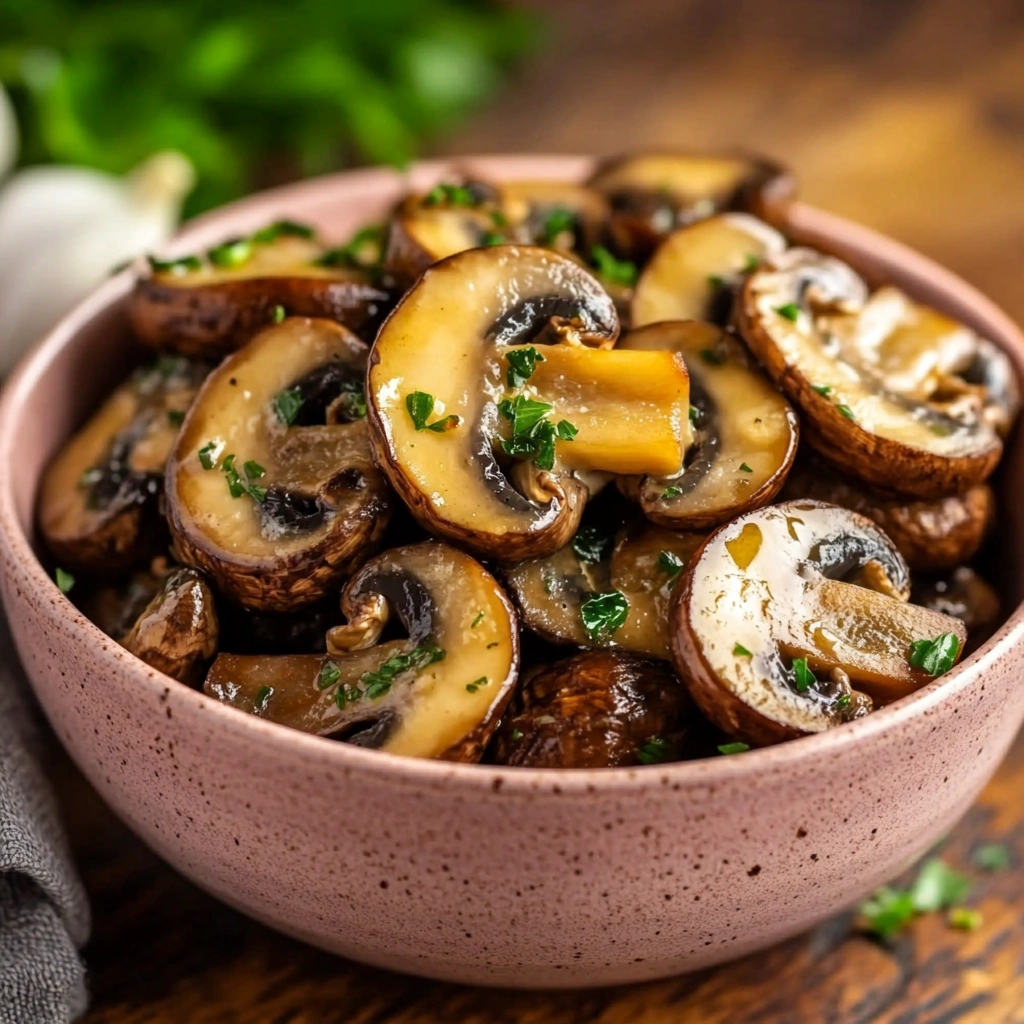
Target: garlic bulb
62 230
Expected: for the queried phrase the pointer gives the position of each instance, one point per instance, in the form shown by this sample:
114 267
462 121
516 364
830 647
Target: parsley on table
623 272
733 748
887 912
604 613
287 404
790 311
64 580
670 563
656 750
938 887
805 678
521 364
421 406
936 657
591 544
965 920
992 857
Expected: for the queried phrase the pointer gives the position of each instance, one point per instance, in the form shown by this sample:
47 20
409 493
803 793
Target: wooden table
906 115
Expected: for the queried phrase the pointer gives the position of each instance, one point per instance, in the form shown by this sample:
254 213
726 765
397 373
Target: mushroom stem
363 629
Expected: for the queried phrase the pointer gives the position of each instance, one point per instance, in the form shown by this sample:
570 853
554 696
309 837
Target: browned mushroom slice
694 273
579 595
212 305
940 533
98 500
653 193
808 320
271 488
560 214
439 693
744 432
486 395
599 709
963 594
789 616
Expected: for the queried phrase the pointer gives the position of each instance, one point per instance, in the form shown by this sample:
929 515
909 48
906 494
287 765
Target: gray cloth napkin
44 917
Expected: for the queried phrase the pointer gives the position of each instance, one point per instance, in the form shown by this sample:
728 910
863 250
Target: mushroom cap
597 709
798 580
314 505
444 340
745 434
213 310
931 534
808 320
438 694
98 498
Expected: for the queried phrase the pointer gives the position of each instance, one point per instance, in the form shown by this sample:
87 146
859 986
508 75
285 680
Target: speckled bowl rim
708 771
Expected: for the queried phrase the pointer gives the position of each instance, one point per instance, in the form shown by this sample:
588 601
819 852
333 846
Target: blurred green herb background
254 92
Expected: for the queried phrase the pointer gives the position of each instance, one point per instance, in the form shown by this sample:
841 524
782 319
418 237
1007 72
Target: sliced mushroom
115 604
745 433
98 499
694 273
940 533
653 193
793 619
442 419
640 563
438 693
211 305
561 214
858 376
599 709
271 488
963 594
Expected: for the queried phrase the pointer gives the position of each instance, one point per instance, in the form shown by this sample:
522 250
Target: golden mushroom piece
491 389
211 304
885 386
605 590
270 487
651 194
438 693
744 433
599 709
98 499
794 618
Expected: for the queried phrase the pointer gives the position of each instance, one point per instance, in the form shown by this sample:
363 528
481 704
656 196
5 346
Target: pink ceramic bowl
481 874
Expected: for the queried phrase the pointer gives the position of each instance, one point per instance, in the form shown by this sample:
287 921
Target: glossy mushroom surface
744 433
794 618
965 595
98 498
270 487
858 378
211 304
461 437
438 693
598 709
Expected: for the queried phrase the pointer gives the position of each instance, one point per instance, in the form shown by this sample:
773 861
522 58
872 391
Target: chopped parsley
533 434
670 563
965 920
476 684
822 389
421 406
237 486
450 195
517 735
557 222
752 262
711 357
591 544
623 272
263 694
175 417
993 857
64 580
790 311
714 281
694 414
287 404
329 675
477 620
521 364
733 748
604 613
887 912
279 314
233 253
671 492
493 238
348 255
936 657
744 468
805 678
843 702
282 229
741 652
846 411
182 265
656 750
376 684
210 453
938 887
499 219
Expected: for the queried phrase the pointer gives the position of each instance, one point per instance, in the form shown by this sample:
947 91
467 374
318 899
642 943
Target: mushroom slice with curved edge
808 320
559 214
271 488
963 594
579 595
98 499
940 533
486 371
793 618
438 694
693 274
598 709
745 433
653 193
211 305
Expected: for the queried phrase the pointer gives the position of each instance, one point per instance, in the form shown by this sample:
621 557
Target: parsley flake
938 887
744 468
714 281
741 652
476 684
263 694
421 406
752 262
790 311
965 919
209 454
622 272
379 682
182 265
521 364
279 314
591 544
450 195
805 678
656 750
671 492
843 702
887 912
175 417
936 657
846 411
604 613
233 253
329 675
670 563
64 580
282 229
493 238
822 389
694 415
711 357
517 735
476 621
557 222
733 748
287 404
993 857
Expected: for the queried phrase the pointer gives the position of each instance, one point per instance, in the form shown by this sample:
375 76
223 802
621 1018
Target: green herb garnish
521 364
493 238
233 253
64 580
714 281
733 748
450 195
623 272
565 431
993 857
744 468
843 702
790 311
347 255
237 486
279 314
476 684
182 265
694 415
209 454
421 406
477 620
287 404
533 434
741 652
282 229
557 222
887 912
656 750
752 262
604 613
175 417
823 389
936 656
846 411
378 683
517 735
591 544
329 675
263 694
711 357
670 563
805 678
671 492
938 887
965 920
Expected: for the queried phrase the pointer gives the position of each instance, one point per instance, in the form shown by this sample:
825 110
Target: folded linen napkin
44 917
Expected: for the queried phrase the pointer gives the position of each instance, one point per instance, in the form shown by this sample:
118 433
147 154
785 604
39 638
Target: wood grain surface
906 115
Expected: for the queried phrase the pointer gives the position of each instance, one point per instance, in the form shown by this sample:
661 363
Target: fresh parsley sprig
421 408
